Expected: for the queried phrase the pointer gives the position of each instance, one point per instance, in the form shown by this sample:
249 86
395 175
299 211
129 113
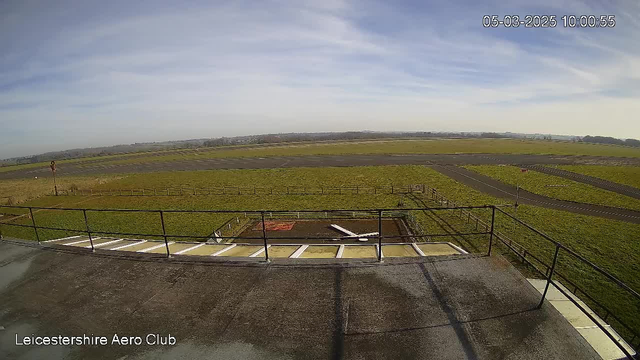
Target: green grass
452 146
336 176
21 190
570 190
627 175
392 146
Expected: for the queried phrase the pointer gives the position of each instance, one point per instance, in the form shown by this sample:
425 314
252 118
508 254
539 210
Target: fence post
553 266
379 235
164 234
86 224
33 221
493 218
264 237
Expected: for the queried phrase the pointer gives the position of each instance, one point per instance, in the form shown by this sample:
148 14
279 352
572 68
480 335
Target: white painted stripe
126 246
458 248
66 238
105 243
362 235
154 247
189 249
299 252
81 241
343 230
340 251
417 249
223 250
259 252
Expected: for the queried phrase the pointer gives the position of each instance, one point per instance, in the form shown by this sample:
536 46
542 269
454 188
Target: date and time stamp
549 21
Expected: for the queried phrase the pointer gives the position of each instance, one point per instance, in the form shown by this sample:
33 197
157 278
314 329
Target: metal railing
379 214
262 215
550 269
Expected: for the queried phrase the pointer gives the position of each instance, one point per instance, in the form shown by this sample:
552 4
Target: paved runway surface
499 189
91 168
473 308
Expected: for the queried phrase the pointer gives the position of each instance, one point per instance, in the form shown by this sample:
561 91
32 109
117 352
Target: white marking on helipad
189 249
343 230
462 251
223 250
417 249
259 252
299 252
81 241
126 246
65 238
154 247
340 251
105 243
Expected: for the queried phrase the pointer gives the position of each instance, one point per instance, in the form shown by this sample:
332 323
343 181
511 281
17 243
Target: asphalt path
499 189
93 168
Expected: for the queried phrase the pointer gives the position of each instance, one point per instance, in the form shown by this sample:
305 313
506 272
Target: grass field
538 183
611 244
410 146
490 146
627 175
21 190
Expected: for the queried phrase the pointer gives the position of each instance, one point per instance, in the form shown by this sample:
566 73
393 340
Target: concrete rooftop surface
450 307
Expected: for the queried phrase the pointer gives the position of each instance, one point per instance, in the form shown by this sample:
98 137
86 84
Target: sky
95 73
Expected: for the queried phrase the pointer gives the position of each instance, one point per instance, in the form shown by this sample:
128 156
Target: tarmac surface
464 307
92 167
499 189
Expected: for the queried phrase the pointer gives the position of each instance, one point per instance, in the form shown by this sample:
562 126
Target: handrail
580 257
373 212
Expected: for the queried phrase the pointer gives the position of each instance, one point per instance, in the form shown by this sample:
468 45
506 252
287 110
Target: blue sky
89 73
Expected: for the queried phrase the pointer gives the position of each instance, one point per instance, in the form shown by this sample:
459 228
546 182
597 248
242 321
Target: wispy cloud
83 73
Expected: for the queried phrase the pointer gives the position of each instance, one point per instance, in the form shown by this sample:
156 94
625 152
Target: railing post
164 234
264 237
86 224
33 222
379 235
553 267
493 219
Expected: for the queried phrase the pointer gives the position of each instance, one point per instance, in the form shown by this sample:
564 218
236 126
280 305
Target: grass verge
627 175
556 187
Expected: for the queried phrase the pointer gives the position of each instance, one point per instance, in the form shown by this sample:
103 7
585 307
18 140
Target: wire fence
250 190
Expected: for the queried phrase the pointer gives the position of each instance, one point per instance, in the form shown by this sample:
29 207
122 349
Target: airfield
249 243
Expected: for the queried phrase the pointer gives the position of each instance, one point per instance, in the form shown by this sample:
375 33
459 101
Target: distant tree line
610 140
